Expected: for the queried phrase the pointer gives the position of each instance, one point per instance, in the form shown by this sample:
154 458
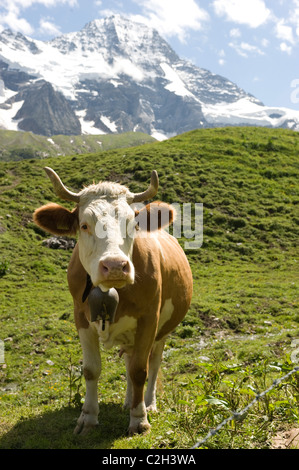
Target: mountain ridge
114 76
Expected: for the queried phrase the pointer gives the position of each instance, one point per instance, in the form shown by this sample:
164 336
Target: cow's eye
84 227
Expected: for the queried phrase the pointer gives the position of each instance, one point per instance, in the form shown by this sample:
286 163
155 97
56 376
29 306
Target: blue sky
254 43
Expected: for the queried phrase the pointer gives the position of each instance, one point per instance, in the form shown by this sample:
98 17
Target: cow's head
106 222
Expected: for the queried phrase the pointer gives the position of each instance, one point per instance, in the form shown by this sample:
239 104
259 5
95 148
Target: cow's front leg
138 369
91 369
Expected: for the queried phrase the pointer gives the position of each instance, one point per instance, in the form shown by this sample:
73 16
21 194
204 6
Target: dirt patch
286 440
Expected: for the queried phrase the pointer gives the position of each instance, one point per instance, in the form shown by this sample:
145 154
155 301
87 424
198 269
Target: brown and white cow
147 267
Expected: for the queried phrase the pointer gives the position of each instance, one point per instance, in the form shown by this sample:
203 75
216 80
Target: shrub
3 267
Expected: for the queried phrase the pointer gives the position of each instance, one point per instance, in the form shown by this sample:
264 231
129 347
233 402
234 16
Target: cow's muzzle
115 272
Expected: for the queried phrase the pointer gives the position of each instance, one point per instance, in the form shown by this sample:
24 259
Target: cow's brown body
161 273
148 310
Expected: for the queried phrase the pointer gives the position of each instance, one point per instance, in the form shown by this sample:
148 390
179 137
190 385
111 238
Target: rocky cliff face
38 107
46 111
116 76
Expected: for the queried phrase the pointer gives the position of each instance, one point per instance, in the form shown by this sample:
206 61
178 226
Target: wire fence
238 415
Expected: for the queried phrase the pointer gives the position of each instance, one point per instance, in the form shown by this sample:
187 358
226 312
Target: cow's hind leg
138 416
154 366
91 369
129 392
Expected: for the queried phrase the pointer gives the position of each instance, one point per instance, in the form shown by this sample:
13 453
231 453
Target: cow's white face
106 233
106 223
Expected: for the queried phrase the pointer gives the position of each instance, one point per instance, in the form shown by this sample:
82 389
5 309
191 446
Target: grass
235 340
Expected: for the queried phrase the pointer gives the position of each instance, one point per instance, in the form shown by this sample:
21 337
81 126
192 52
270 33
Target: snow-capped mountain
116 75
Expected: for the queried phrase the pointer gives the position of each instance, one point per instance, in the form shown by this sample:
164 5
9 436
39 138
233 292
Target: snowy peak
114 38
116 75
18 42
119 35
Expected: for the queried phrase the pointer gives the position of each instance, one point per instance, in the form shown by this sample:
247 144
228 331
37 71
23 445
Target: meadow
239 335
15 145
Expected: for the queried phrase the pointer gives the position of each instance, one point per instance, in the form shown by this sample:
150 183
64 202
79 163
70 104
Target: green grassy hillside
242 327
16 145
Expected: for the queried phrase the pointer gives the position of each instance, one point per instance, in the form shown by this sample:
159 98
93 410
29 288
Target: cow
144 265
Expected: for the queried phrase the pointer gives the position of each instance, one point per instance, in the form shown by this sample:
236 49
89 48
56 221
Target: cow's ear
56 219
154 216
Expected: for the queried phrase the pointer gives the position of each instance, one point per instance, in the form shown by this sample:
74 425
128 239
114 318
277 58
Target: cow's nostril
104 269
126 267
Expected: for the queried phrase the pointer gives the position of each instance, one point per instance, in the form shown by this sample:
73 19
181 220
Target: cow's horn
151 190
59 187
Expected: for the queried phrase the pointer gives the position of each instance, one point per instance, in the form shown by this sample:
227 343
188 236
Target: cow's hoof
141 428
152 408
138 420
85 423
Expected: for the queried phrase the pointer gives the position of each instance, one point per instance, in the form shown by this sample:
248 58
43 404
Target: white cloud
284 31
11 20
173 17
285 48
244 49
221 54
287 29
265 42
23 4
294 17
253 13
235 33
11 12
47 27
295 12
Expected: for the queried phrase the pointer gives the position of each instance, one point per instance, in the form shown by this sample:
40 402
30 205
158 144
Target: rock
59 243
204 359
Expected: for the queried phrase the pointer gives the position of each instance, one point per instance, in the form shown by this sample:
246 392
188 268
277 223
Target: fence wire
238 415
